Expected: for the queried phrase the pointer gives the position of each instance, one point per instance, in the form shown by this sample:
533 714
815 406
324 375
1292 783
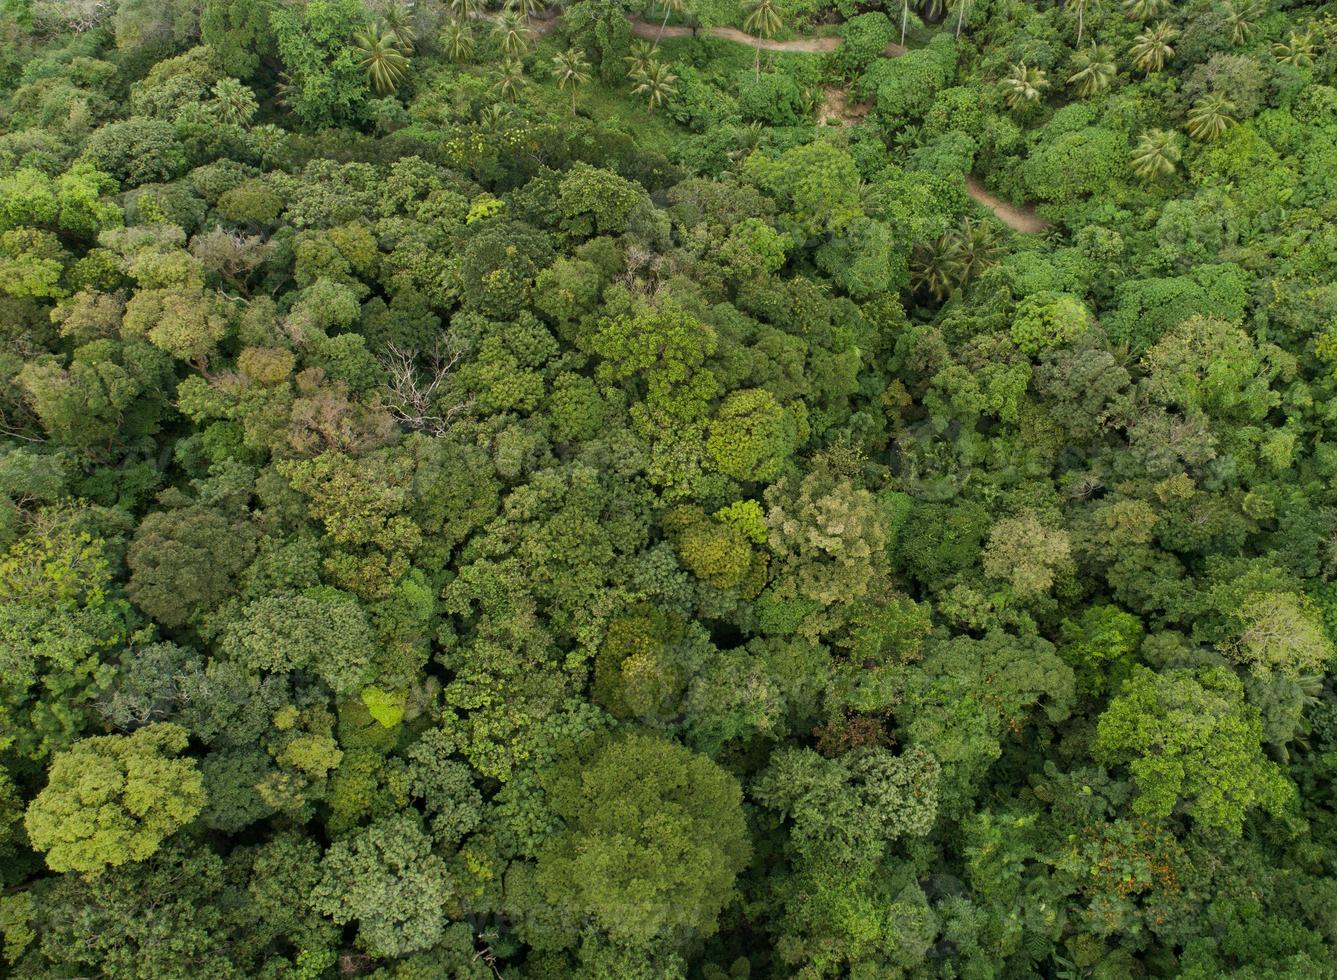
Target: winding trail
1018 217
806 45
545 25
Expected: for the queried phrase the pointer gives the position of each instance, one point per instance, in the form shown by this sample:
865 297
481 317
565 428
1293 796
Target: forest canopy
686 490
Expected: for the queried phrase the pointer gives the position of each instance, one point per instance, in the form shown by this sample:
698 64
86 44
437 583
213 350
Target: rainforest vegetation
711 490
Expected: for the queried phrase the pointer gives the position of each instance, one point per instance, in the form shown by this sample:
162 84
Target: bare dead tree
78 16
414 393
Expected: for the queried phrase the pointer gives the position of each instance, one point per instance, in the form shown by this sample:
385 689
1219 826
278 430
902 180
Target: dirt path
544 25
806 45
1020 217
809 45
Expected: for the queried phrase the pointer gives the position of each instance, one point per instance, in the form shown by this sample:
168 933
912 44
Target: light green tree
1192 745
115 798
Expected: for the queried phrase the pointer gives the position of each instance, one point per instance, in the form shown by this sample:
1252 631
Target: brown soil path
1019 217
546 24
807 45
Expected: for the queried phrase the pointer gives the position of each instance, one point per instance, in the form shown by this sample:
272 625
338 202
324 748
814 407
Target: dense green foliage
573 494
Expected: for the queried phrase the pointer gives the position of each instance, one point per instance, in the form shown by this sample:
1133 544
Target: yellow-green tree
115 798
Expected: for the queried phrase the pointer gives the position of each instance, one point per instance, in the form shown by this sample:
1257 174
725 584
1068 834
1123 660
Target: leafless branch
414 392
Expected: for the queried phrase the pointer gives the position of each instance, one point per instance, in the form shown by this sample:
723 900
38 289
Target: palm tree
457 39
233 103
1143 9
763 20
492 116
1093 70
1210 117
1022 85
513 32
1156 154
655 82
529 8
976 247
954 258
1241 18
571 69
1153 48
1082 6
936 267
381 59
931 9
642 53
905 19
511 79
670 7
399 26
465 10
1297 50
962 8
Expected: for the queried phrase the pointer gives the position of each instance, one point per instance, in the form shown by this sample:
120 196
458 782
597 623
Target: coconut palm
671 7
1023 85
1297 50
1156 154
399 25
955 258
1093 70
746 138
513 32
655 82
493 116
1153 48
529 8
1241 16
763 20
642 53
935 267
905 19
380 59
1080 7
571 69
511 80
465 10
1210 117
976 247
1143 9
457 40
962 7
